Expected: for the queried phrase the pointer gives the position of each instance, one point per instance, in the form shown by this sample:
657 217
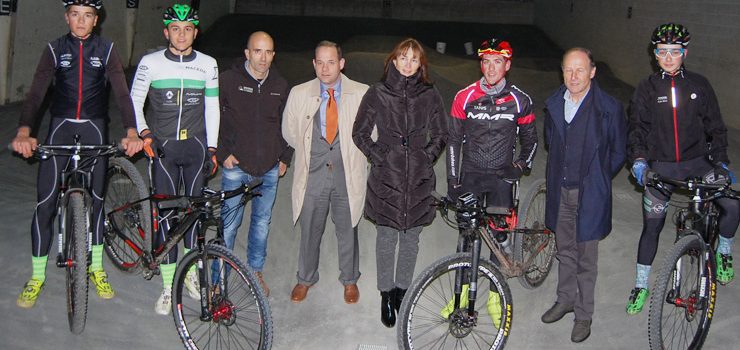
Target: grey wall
494 11
623 43
133 31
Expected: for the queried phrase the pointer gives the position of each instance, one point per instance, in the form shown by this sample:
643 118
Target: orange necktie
331 117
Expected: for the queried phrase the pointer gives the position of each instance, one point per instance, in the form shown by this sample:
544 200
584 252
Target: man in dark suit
586 133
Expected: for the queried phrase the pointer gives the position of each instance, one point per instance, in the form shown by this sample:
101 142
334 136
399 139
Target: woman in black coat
408 113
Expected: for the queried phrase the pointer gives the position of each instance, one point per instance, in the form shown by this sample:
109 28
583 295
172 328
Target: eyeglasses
674 53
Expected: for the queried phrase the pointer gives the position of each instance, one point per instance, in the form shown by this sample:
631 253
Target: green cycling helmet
671 33
180 13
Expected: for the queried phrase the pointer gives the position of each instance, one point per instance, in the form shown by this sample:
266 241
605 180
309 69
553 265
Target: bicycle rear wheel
76 224
237 316
539 247
421 324
679 316
125 185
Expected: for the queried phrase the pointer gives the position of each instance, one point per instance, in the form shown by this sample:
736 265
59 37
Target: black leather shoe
398 297
581 331
556 312
387 314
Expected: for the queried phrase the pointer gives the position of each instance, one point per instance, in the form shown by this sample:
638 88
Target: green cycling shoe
31 291
637 300
725 272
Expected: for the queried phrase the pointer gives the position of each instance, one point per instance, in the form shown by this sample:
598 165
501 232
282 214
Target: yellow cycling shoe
100 279
494 308
30 293
447 310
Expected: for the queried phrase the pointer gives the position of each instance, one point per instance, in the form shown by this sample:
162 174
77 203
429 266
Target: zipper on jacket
406 151
675 119
80 58
179 103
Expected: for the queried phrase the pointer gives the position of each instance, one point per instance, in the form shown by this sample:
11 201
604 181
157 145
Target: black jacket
694 128
251 118
80 69
412 130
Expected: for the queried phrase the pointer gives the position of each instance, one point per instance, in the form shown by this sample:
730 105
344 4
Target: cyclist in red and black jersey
675 128
81 65
487 118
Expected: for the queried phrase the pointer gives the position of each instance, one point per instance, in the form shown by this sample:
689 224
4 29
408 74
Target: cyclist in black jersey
180 127
676 129
81 65
487 118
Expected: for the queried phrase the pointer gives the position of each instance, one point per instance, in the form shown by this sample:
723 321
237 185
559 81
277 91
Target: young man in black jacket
251 144
676 129
81 64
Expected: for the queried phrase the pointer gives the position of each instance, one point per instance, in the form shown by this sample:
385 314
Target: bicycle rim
679 318
421 324
537 247
130 234
76 225
238 314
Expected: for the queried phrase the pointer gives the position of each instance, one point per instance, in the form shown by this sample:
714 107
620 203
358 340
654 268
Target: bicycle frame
199 211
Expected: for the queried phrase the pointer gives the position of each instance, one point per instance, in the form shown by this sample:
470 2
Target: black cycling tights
181 163
655 205
62 131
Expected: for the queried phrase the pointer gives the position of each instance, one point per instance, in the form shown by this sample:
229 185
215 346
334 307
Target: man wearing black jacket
251 145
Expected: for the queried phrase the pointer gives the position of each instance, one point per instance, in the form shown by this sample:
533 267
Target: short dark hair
582 50
327 43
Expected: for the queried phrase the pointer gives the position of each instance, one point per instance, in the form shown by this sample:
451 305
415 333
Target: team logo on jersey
193 100
196 68
662 99
245 89
65 60
274 94
486 116
169 95
501 108
96 62
503 100
480 107
693 96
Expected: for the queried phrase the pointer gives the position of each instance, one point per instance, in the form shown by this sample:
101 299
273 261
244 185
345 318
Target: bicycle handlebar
46 151
210 196
717 190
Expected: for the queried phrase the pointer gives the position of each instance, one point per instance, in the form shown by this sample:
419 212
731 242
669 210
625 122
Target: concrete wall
479 11
133 31
623 43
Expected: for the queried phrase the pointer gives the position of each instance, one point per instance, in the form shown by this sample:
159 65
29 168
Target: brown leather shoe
299 293
262 283
351 294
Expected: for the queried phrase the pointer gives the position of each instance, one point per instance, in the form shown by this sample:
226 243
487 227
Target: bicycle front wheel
124 185
76 225
235 313
680 315
535 250
428 319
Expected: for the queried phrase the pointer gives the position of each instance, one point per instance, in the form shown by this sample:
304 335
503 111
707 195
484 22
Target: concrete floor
323 321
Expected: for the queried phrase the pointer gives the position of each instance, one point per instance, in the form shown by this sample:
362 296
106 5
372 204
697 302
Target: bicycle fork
693 300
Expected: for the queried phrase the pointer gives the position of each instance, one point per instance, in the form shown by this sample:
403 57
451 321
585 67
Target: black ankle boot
387 314
398 297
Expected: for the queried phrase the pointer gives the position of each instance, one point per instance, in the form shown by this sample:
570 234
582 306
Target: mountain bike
232 312
440 311
74 221
683 298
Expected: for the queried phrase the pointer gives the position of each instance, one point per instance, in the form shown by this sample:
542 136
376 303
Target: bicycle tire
532 216
239 313
666 319
431 291
76 226
124 184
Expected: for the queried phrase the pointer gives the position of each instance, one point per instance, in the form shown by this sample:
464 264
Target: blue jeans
259 226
